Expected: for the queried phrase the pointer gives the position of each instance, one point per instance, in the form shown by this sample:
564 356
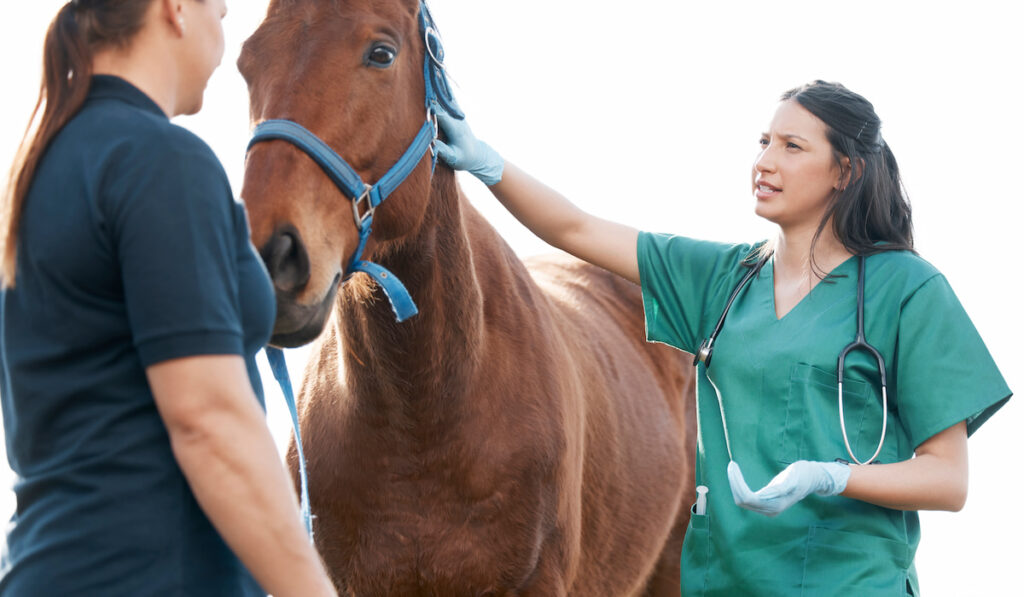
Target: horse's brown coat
518 436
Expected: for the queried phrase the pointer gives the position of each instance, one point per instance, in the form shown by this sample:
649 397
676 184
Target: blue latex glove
793 484
464 151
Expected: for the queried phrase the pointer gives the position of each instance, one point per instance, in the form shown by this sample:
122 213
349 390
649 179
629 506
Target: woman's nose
765 161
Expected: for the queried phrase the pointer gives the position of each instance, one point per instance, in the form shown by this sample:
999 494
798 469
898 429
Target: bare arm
936 479
222 444
561 224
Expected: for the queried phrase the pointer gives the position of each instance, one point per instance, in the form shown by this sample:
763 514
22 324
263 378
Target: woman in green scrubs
768 411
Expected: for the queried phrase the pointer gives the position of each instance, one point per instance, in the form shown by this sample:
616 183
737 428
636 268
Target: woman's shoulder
142 160
164 140
128 147
121 134
693 248
904 269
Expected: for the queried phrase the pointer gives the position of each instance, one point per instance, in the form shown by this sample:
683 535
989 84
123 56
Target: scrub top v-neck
132 251
777 382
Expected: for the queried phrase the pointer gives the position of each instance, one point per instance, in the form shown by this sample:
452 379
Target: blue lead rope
277 364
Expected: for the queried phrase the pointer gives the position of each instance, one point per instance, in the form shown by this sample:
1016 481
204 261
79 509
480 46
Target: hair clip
861 130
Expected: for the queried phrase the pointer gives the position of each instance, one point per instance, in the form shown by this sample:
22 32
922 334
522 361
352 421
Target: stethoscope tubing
861 343
704 354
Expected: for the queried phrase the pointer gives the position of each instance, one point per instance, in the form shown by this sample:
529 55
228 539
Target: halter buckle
366 216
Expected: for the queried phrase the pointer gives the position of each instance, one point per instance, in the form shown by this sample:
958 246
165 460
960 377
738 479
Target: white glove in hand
464 151
793 484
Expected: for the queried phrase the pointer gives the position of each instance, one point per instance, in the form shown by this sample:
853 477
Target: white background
649 113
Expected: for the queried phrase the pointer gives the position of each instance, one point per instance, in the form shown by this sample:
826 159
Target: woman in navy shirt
132 308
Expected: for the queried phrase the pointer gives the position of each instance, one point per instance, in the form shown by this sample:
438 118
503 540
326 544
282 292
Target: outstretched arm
549 215
558 222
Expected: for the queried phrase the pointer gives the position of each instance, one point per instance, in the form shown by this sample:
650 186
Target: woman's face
204 49
795 173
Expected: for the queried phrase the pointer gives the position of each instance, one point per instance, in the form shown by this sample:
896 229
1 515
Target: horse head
351 76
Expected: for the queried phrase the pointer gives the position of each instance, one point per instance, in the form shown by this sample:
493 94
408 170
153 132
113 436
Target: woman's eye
792 146
763 142
381 56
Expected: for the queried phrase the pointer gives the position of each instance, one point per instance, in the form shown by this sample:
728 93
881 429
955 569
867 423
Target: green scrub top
777 381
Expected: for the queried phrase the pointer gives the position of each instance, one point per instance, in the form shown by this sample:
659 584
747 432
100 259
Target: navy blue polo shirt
132 251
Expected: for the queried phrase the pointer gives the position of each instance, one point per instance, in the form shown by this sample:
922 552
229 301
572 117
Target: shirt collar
112 87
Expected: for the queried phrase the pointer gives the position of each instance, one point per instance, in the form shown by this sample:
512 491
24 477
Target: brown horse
518 436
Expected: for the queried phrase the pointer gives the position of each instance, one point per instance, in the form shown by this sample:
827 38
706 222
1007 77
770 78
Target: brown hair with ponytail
79 29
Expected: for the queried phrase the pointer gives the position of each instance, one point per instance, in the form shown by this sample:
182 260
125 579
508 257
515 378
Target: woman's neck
799 259
148 66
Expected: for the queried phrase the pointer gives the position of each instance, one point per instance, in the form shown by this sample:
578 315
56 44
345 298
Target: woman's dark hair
871 213
79 29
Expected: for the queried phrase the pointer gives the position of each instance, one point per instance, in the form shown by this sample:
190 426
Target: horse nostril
286 259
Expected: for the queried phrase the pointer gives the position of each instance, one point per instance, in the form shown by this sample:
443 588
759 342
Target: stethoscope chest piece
703 353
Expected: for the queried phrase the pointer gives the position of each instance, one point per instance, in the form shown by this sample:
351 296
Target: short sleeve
944 372
174 231
683 280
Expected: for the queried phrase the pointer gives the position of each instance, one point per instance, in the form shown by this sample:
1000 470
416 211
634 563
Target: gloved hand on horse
464 151
793 484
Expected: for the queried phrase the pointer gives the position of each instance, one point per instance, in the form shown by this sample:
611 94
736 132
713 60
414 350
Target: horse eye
381 56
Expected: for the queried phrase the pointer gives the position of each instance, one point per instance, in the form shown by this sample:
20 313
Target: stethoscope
704 354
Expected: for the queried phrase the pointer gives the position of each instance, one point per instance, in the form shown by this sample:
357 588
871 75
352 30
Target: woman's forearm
936 479
223 445
235 472
558 222
545 211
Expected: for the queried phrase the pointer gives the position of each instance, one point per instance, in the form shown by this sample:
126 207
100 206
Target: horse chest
441 549
450 518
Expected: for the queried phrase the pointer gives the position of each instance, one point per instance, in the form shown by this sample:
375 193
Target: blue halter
365 198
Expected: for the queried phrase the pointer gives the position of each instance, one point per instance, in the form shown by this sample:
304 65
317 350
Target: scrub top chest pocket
810 428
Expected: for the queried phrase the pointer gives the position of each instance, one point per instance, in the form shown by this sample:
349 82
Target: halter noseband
365 197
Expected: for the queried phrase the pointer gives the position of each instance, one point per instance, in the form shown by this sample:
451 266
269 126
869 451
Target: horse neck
434 356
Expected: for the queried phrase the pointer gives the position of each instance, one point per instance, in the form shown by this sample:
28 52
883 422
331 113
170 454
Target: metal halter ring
432 119
368 214
438 60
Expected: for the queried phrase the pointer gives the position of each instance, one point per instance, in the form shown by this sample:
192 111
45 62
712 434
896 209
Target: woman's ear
173 14
848 174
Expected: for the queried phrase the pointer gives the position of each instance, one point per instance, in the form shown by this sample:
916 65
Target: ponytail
76 32
67 71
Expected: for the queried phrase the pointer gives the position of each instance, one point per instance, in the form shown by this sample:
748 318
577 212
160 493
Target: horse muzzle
288 264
